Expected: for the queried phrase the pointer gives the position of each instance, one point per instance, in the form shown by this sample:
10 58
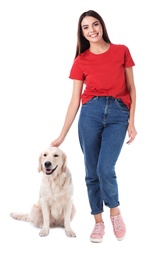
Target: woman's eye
85 27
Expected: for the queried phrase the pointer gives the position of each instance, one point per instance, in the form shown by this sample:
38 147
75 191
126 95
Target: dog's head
52 159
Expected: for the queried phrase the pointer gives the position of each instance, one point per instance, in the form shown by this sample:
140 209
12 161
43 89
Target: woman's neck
98 48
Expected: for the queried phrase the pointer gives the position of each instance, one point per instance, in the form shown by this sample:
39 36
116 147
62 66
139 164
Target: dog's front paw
44 232
70 233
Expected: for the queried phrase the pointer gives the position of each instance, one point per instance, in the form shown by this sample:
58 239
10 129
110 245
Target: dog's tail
20 216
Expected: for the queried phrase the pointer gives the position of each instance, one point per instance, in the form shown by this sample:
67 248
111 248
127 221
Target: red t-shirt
103 74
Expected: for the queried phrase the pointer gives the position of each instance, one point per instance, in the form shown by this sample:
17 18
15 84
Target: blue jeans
102 128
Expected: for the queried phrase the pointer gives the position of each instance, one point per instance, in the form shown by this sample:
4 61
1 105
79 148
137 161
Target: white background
37 48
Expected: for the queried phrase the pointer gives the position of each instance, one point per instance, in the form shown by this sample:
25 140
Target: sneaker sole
121 238
96 240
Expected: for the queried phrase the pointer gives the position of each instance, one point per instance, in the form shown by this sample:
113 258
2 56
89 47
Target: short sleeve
76 71
128 61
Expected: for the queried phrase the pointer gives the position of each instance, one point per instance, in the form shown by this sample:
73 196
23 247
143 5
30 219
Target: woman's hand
131 133
57 142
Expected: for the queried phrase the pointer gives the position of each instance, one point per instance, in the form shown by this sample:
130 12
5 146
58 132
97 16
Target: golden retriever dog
55 206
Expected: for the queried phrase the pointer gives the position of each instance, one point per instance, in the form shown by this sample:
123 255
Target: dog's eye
55 155
44 154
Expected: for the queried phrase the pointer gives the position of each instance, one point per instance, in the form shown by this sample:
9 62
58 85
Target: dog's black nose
47 164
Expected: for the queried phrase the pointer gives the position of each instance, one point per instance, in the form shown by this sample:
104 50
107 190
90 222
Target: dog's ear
64 166
40 163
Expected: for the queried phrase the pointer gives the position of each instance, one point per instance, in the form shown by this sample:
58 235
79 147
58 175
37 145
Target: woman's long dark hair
82 43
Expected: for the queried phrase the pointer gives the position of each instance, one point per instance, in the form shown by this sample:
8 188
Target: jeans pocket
90 100
122 105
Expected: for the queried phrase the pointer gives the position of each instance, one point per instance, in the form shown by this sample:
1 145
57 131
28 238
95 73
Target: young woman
107 114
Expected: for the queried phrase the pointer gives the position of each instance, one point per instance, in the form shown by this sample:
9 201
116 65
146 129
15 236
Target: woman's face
91 29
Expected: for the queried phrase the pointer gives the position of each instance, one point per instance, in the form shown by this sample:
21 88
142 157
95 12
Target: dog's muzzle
48 168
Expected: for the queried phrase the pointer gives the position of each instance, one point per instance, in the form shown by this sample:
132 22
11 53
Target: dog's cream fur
55 207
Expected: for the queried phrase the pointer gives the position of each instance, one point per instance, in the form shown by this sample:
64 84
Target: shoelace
97 229
116 223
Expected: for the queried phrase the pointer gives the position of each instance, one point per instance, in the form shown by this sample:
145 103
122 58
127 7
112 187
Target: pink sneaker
97 233
119 227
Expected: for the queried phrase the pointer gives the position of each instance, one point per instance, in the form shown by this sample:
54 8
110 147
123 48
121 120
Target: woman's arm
132 90
71 112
